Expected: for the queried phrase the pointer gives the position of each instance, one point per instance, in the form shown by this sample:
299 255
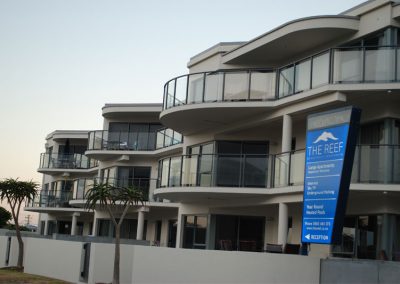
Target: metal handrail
125 140
172 96
66 161
278 174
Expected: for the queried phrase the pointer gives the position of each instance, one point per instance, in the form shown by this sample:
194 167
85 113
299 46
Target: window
242 163
372 133
194 232
132 136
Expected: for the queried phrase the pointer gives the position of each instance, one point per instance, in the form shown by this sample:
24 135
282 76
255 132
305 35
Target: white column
282 223
94 226
46 227
164 232
74 222
286 133
140 226
179 231
266 230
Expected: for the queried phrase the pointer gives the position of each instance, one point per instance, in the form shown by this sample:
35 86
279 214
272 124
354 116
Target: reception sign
330 145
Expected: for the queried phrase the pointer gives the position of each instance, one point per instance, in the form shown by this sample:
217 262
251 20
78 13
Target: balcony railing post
174 95
331 65
181 174
187 89
204 88
241 168
223 86
277 80
396 49
249 84
289 168
363 64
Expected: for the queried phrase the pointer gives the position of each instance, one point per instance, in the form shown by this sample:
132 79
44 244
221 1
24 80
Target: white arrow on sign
307 236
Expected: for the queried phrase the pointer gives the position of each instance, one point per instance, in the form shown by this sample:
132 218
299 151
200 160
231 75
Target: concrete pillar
266 230
282 223
286 133
74 222
179 231
164 232
94 227
46 227
140 225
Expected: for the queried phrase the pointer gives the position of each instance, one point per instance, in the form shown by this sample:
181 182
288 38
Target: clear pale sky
61 61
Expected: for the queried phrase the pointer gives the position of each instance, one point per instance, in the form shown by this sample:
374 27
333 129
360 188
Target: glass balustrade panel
262 85
281 173
98 140
213 87
320 70
189 170
205 173
160 139
195 88
91 140
165 97
229 169
170 94
177 138
302 76
175 172
169 134
297 161
255 171
164 172
380 65
372 162
236 86
180 91
286 81
347 66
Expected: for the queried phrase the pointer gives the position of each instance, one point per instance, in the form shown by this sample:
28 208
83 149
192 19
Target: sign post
330 145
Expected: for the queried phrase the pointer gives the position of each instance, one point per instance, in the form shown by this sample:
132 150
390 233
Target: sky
61 61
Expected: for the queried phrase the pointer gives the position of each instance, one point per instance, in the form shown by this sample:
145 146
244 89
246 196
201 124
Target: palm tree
114 199
16 192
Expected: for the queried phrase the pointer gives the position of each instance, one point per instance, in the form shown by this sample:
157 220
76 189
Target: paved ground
12 276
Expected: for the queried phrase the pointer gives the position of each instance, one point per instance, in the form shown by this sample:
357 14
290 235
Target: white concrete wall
102 263
167 265
13 260
3 250
53 258
144 264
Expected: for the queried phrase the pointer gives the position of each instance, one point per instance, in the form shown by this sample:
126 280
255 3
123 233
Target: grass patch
13 275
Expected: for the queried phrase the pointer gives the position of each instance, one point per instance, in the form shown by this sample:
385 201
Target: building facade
223 156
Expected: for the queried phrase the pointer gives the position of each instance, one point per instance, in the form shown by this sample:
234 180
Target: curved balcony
103 143
252 91
238 175
82 185
76 195
64 162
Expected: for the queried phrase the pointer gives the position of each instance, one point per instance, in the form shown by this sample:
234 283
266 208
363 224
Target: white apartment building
222 159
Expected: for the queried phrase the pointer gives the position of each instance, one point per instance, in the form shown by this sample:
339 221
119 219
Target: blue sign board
330 146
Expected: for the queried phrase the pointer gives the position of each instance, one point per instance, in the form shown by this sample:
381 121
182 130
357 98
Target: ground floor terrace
262 223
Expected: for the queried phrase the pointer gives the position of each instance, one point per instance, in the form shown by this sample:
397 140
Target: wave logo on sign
325 136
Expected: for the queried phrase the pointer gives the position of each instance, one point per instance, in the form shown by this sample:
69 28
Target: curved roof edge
110 110
340 22
65 134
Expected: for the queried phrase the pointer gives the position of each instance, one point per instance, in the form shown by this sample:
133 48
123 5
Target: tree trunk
117 254
15 215
20 263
